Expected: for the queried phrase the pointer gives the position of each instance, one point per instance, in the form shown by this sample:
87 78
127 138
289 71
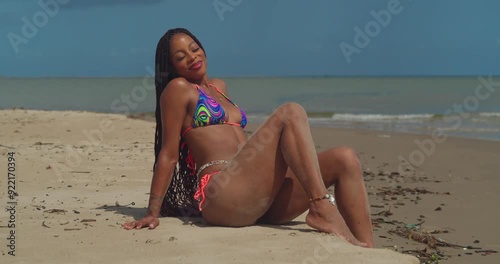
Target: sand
79 175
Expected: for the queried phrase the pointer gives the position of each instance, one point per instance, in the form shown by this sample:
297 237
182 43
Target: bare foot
326 218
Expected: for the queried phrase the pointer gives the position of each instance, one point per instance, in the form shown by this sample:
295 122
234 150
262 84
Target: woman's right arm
174 103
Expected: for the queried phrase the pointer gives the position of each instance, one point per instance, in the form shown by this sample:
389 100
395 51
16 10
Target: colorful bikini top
209 112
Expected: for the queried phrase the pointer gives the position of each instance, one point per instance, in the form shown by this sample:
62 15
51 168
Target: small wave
332 116
470 129
320 114
380 117
490 114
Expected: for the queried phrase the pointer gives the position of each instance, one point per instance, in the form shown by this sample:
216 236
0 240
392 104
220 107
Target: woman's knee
345 158
291 111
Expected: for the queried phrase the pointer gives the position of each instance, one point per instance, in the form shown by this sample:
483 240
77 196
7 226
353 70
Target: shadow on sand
138 213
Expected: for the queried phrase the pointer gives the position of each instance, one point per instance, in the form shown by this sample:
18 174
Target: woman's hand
148 221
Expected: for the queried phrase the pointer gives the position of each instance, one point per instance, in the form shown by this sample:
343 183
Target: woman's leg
339 167
245 189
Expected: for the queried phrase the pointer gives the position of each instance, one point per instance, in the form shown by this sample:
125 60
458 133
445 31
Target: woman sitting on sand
272 177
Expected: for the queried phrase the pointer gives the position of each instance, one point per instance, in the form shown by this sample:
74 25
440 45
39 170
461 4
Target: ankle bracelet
328 196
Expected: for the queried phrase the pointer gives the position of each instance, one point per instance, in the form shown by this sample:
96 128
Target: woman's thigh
245 189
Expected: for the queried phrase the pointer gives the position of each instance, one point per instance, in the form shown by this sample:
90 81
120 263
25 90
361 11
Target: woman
273 177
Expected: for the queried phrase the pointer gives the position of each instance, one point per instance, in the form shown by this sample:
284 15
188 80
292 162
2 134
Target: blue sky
253 37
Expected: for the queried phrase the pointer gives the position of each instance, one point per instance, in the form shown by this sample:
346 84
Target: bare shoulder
178 90
219 83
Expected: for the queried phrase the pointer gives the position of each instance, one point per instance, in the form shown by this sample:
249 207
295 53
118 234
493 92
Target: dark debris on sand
434 248
432 252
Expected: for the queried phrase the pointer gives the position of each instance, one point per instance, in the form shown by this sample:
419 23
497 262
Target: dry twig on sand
423 237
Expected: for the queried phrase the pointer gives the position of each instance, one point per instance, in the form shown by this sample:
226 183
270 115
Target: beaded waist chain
211 163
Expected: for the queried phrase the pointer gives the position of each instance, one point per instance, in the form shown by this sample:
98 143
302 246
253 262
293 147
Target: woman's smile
196 66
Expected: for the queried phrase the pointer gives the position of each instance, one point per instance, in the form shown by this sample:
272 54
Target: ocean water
460 106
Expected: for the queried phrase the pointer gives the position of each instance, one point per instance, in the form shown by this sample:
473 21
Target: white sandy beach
79 175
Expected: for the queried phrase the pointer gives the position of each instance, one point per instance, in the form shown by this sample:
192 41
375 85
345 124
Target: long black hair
179 198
